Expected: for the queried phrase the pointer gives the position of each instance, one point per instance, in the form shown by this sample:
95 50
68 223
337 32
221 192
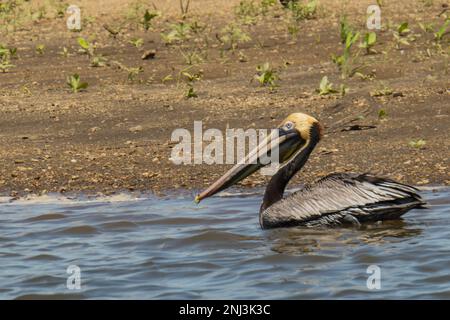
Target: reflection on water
301 240
168 247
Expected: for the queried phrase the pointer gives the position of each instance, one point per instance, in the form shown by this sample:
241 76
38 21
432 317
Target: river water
167 247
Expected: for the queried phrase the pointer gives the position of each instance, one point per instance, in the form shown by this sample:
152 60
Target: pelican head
294 140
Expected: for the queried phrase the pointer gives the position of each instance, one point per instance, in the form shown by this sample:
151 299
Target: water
155 248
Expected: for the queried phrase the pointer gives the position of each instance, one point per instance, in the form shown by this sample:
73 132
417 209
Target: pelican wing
337 197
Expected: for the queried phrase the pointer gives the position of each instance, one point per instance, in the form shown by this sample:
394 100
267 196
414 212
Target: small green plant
147 19
266 5
167 78
293 29
232 35
426 27
178 33
198 27
5 56
98 61
266 76
132 72
190 93
402 35
64 52
242 57
5 51
40 48
368 42
417 144
345 28
191 57
5 65
12 52
382 114
381 92
325 87
75 83
189 78
403 29
247 12
347 63
343 90
365 76
86 47
137 42
38 14
300 11
439 35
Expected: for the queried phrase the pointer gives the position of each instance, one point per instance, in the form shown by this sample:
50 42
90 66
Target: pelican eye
289 125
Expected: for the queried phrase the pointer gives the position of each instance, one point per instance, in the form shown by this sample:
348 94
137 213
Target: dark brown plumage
342 198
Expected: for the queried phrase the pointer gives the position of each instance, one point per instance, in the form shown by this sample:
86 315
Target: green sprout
325 87
417 144
190 93
133 72
345 28
247 12
5 56
75 83
189 79
346 62
402 35
403 29
266 76
98 61
178 33
40 49
382 114
382 92
266 5
302 11
232 35
5 65
137 42
439 35
64 52
86 47
191 57
147 19
426 27
368 42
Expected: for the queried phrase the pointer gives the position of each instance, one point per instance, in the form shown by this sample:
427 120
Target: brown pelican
336 199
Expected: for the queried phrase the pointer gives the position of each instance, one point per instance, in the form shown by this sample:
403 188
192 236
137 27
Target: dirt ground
115 135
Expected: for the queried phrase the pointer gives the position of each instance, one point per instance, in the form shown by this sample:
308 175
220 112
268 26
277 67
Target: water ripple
169 248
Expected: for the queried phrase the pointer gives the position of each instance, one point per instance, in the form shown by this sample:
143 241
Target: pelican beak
284 142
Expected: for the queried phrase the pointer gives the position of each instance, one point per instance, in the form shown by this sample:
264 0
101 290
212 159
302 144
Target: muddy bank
115 135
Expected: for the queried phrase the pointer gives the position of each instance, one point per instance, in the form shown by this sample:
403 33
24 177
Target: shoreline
128 196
